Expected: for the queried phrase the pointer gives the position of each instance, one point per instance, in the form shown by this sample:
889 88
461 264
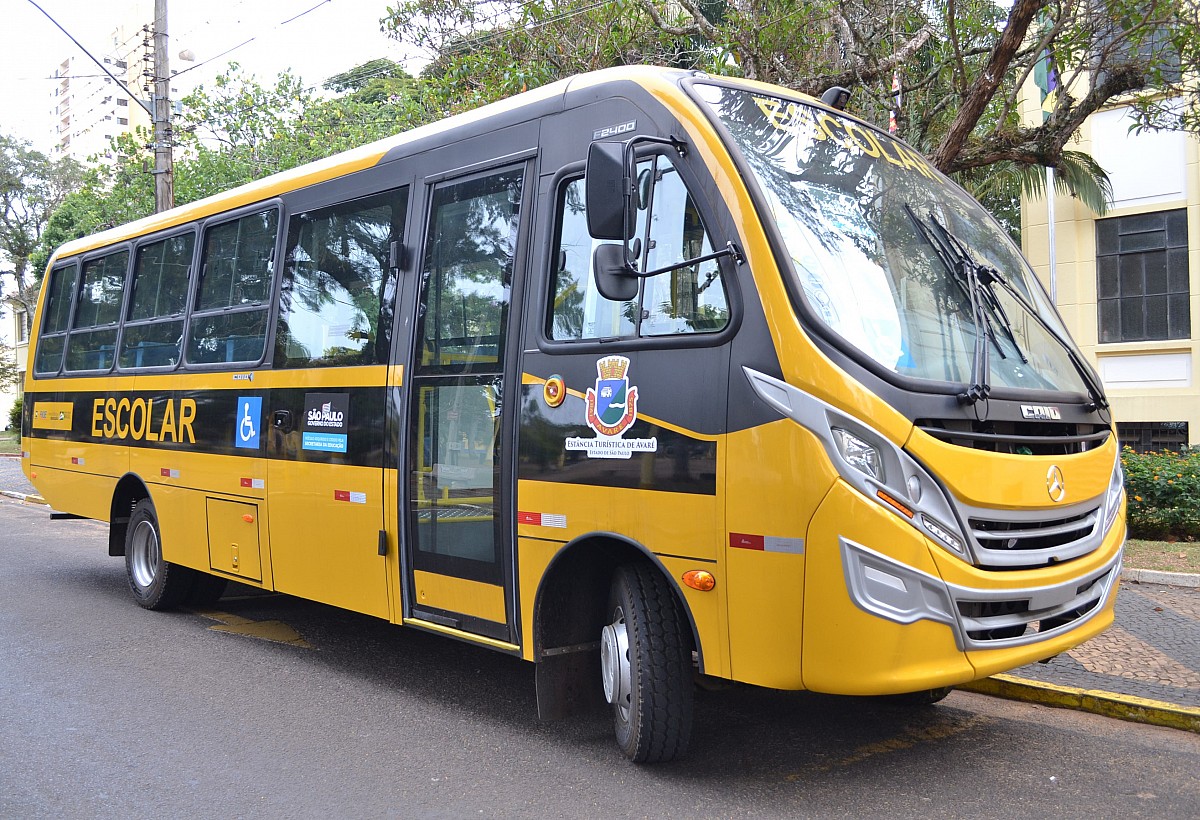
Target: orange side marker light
700 579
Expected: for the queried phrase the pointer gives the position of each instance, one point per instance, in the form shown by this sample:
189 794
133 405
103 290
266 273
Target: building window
1152 436
122 121
122 102
1142 277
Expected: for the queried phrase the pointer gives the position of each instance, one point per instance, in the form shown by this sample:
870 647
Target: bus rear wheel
155 583
646 667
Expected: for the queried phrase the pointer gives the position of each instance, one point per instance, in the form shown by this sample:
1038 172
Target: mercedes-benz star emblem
1055 484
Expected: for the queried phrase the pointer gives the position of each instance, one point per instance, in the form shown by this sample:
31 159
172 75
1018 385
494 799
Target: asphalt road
107 710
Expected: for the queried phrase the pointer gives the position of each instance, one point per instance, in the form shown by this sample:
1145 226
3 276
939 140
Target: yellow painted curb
1110 704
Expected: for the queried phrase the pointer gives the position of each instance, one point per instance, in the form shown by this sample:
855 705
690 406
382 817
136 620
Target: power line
92 58
251 39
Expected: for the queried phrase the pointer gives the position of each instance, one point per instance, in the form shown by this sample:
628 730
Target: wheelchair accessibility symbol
246 428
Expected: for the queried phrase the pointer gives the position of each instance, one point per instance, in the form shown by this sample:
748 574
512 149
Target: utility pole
164 184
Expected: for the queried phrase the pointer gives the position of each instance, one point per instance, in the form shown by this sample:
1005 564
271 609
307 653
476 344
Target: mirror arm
730 250
679 145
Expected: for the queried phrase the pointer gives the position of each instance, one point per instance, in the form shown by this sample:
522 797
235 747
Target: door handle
281 420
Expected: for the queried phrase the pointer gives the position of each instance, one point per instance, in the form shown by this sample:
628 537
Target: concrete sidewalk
1145 668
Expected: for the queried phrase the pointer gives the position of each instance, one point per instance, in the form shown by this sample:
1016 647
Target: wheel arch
129 491
569 612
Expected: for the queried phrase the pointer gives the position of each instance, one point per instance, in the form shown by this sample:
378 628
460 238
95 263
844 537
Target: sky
313 38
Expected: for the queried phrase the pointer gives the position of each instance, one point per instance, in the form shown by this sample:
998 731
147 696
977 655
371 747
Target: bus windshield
893 257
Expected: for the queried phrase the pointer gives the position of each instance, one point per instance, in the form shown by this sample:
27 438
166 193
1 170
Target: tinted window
237 264
93 340
686 299
230 318
467 275
154 326
160 278
339 287
102 289
58 299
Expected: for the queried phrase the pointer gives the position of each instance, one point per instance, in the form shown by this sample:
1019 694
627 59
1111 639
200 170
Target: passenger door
457 518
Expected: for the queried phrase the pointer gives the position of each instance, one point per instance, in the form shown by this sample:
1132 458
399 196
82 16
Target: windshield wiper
975 280
978 279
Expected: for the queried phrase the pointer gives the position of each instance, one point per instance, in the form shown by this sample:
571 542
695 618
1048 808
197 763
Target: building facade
14 339
1128 283
87 108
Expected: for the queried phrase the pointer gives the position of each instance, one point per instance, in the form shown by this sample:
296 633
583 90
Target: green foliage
8 367
950 55
1163 493
31 187
14 414
235 132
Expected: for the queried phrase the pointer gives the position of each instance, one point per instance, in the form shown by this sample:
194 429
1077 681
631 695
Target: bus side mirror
615 279
609 188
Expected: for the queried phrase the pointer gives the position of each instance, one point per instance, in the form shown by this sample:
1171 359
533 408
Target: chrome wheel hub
146 555
614 663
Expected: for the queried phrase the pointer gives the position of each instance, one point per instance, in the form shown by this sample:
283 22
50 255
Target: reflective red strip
529 518
746 542
165 472
247 482
341 495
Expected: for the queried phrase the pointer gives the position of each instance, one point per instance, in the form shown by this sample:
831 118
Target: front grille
1021 540
1031 438
990 621
1009 536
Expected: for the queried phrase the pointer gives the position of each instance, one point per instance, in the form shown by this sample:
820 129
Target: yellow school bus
639 376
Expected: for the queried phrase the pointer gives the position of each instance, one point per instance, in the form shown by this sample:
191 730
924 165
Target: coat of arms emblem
612 403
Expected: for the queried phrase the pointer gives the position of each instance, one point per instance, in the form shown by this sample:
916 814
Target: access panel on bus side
455 510
623 403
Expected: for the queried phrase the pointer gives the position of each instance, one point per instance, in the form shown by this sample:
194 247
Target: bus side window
579 311
158 295
53 339
339 286
92 343
688 299
229 321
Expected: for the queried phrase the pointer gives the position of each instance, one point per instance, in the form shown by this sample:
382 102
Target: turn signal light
700 579
248 518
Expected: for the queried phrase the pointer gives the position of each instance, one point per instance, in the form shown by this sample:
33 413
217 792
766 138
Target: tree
8 367
31 186
237 131
962 63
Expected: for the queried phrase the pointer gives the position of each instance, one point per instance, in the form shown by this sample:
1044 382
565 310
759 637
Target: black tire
206 590
155 583
925 697
650 689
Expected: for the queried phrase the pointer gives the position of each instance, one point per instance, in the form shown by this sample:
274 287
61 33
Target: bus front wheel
155 583
646 666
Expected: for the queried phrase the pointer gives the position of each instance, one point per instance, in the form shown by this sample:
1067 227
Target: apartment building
87 107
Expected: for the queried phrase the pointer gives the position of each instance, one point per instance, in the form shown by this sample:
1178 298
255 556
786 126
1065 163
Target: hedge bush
1163 493
14 415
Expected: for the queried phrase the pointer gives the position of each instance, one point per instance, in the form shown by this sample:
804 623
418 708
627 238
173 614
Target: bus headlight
859 454
868 461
